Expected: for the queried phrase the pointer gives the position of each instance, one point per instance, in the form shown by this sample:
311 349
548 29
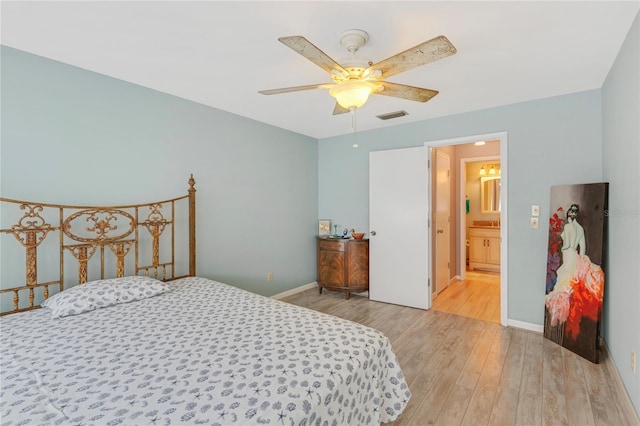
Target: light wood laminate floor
477 296
465 371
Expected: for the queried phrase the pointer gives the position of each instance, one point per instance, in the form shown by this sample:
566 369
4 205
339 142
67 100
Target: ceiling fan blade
406 92
291 89
339 109
311 52
429 51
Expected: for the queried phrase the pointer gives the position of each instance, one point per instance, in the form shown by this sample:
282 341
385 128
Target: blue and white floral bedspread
202 353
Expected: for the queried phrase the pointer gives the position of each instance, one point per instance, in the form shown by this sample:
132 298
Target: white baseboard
525 325
295 290
628 414
510 323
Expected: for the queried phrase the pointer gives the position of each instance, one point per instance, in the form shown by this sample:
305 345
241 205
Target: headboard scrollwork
86 231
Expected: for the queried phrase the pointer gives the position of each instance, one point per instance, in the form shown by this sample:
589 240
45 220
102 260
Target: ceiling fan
356 78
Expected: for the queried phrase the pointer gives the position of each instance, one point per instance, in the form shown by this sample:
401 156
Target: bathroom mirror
490 194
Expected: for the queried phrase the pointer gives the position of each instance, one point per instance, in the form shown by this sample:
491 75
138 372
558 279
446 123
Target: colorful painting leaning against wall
575 276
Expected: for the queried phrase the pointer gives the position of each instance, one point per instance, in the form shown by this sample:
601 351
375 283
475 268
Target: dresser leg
347 294
320 289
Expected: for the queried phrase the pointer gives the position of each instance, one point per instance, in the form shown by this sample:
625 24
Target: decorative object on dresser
343 265
357 235
324 227
484 247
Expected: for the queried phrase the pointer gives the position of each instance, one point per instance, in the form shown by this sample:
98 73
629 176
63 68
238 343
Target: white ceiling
221 53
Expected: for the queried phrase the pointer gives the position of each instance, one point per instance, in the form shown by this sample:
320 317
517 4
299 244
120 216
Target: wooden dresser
343 265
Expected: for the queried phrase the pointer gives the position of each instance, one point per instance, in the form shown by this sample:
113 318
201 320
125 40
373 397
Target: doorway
477 296
442 221
464 150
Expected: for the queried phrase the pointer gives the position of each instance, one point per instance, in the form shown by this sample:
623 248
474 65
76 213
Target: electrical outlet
633 362
535 210
534 222
269 276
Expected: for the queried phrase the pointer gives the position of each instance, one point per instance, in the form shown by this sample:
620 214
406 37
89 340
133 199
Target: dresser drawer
336 245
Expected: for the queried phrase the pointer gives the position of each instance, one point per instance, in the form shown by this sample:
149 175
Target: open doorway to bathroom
476 296
474 288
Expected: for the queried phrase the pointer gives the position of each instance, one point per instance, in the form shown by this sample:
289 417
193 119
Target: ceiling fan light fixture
356 77
352 93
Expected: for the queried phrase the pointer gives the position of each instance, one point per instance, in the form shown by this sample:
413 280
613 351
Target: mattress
202 353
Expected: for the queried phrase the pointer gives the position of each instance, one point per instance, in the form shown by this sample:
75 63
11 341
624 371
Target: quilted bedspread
202 353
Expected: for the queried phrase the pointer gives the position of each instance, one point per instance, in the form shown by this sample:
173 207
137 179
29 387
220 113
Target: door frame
462 229
504 243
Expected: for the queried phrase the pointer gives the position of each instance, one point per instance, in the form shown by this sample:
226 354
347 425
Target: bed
149 344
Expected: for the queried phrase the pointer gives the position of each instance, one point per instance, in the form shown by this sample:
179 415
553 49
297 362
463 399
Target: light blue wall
621 159
76 137
550 142
73 136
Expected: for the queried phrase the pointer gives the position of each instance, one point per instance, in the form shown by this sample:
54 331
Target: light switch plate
534 223
535 210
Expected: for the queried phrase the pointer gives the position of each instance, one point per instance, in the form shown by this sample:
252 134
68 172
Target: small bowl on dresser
357 235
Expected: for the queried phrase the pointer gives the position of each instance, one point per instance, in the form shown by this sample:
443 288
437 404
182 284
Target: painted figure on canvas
575 283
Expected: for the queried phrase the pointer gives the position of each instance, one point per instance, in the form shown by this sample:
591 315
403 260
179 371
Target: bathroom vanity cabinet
484 248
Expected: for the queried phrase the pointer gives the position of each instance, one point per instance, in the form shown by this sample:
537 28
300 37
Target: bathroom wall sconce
493 170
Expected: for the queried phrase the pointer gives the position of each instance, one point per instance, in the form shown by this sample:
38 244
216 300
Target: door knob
372 233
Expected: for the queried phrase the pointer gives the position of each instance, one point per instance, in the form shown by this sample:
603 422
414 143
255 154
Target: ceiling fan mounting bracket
352 40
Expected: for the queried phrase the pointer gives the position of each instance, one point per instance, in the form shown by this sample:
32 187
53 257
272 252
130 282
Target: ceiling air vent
390 115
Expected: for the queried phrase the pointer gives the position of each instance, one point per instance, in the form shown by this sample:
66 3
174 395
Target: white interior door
398 220
442 222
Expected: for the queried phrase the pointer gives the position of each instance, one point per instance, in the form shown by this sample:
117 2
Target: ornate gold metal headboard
111 231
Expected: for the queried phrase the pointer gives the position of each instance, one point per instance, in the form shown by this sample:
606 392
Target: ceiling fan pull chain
353 119
353 126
